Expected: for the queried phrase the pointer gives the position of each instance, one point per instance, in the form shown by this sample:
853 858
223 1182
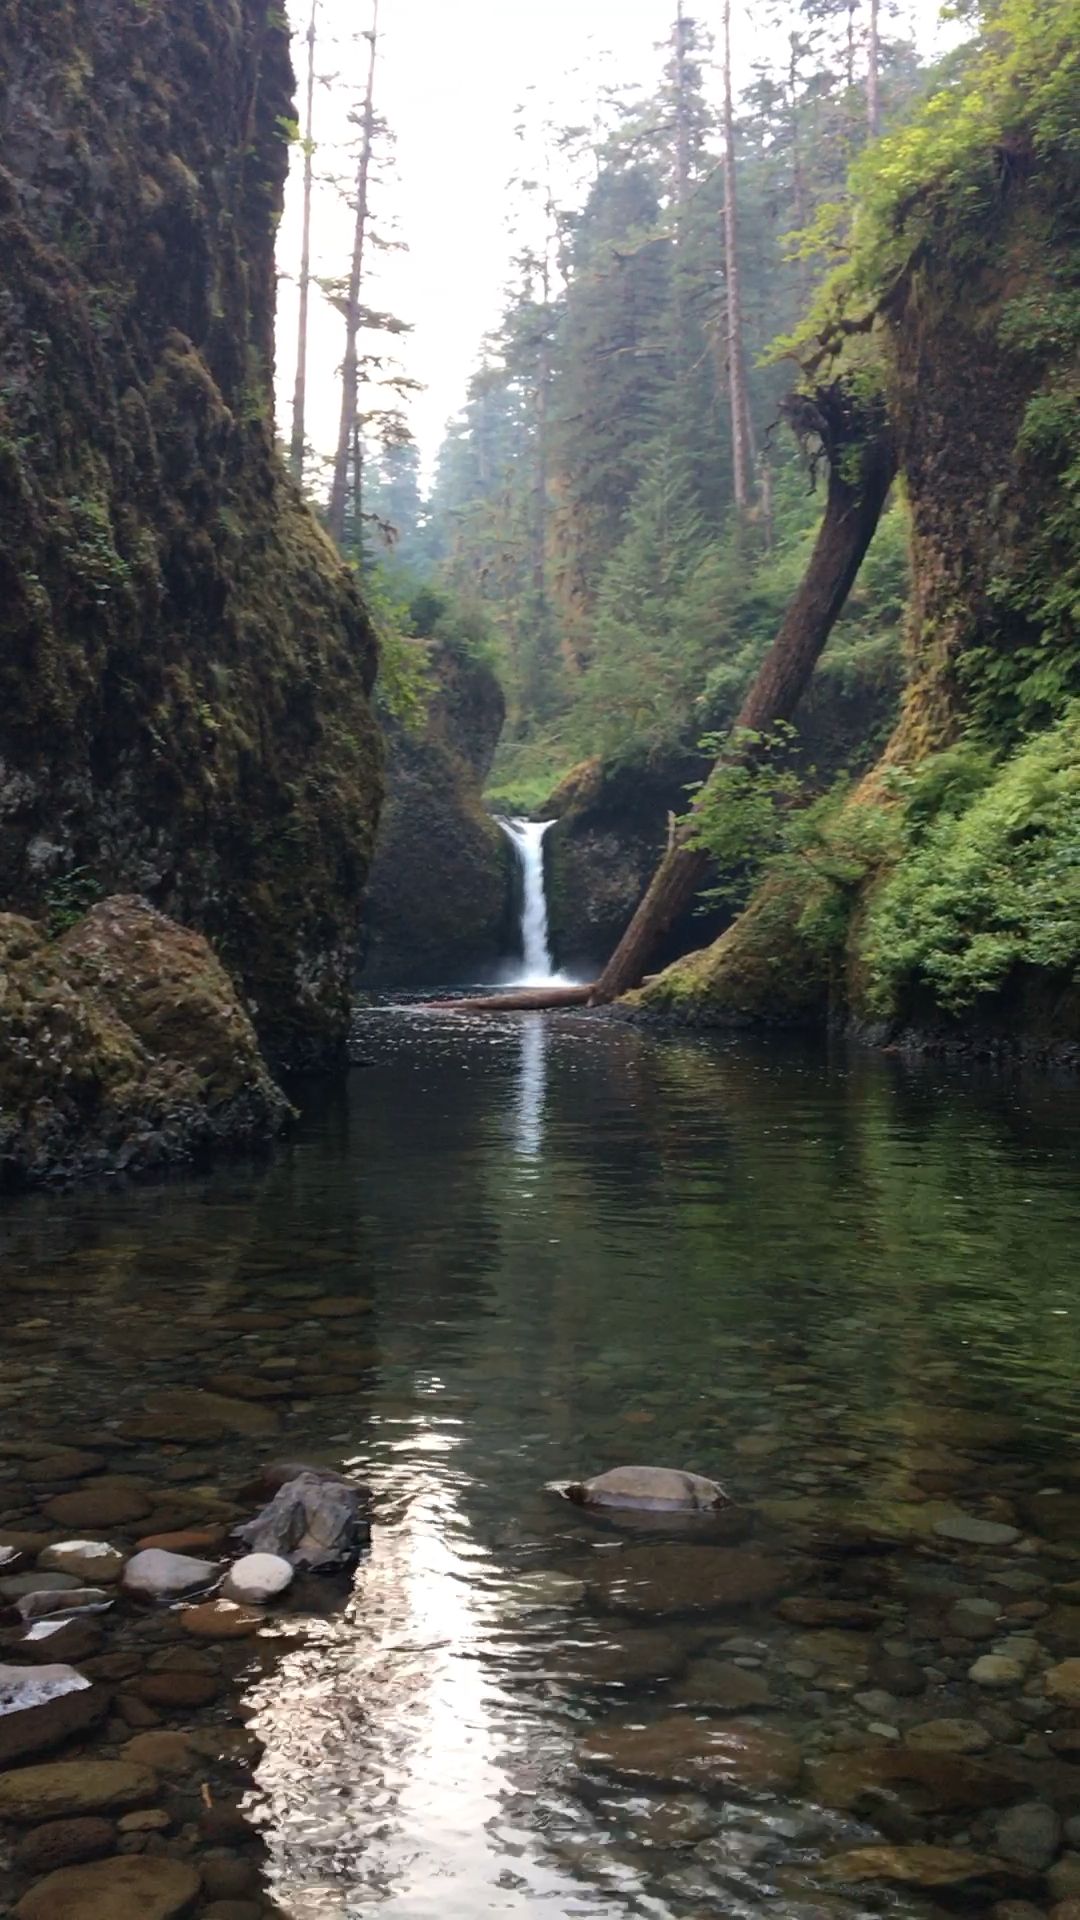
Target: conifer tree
347 456
298 443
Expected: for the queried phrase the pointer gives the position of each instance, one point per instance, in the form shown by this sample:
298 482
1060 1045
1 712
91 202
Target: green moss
122 1046
185 667
763 969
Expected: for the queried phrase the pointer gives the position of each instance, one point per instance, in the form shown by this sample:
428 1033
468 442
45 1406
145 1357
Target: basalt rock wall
445 895
184 663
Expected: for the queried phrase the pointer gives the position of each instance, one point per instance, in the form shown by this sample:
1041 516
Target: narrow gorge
539 960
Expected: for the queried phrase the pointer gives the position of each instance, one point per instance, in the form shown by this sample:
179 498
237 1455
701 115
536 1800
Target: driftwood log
522 1000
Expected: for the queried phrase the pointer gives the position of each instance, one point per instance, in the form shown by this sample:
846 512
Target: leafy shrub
991 877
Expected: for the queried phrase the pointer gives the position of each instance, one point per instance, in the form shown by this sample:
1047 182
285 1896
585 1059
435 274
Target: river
511 1254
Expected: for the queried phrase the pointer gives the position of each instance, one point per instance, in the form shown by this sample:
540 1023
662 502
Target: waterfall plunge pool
513 1253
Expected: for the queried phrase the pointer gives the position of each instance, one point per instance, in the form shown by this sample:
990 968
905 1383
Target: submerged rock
60 1843
220 1620
72 1787
40 1706
972 1530
676 1578
625 1657
257 1579
37 1605
94 1562
927 1781
1029 1834
681 1751
319 1524
650 1490
1062 1683
155 1574
724 1687
129 1887
926 1866
949 1736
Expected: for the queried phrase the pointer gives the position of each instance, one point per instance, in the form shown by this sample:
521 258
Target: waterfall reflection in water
532 1087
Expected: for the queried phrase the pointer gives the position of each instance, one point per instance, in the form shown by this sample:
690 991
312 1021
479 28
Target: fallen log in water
525 1000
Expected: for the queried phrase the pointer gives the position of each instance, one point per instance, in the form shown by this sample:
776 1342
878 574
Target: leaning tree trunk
862 463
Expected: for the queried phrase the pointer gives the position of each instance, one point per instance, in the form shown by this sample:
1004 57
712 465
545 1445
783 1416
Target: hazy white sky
452 73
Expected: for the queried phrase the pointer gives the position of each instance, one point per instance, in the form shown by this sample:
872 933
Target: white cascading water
528 841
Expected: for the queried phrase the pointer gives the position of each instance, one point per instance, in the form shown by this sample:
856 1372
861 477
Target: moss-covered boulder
760 972
123 1046
443 896
184 663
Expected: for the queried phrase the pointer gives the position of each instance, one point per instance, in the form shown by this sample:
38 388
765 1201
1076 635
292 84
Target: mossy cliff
943 898
443 895
184 664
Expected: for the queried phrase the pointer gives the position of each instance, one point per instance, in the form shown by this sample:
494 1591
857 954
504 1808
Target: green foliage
990 879
1002 104
94 558
68 897
738 813
403 686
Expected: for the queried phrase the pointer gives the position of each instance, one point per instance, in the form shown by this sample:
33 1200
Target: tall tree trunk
682 120
798 170
852 511
299 435
350 372
873 74
541 471
740 412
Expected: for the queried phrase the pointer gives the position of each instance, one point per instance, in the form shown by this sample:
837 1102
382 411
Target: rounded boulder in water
155 1574
651 1490
257 1579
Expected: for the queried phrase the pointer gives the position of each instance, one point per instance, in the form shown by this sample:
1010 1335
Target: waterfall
528 841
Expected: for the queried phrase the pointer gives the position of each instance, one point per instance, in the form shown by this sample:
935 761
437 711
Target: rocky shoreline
124 1640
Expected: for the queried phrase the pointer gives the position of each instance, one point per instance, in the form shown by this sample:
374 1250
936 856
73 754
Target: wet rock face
184 664
123 1046
443 899
611 828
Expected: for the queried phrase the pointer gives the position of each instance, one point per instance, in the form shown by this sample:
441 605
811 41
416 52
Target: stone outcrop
443 896
123 1046
184 663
